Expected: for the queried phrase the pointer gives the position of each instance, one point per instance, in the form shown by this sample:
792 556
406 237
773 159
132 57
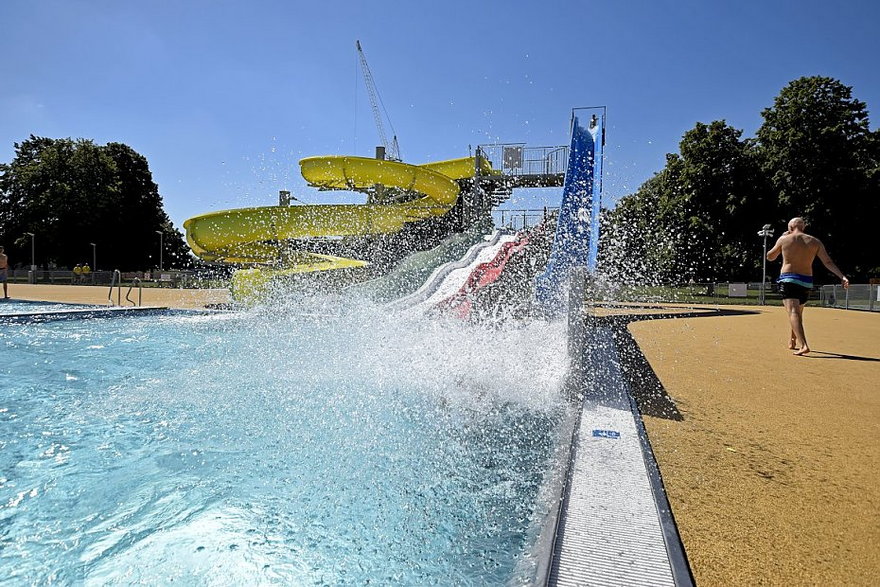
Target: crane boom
392 150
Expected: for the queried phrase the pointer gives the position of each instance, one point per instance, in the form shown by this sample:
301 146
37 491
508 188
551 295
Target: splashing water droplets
287 437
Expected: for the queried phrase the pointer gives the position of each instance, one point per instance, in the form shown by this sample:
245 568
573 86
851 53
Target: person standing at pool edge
799 250
4 272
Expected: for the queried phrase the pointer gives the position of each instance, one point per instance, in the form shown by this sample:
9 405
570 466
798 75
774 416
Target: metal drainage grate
612 530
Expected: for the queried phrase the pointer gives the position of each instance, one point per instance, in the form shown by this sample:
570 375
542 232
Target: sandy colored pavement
774 472
97 294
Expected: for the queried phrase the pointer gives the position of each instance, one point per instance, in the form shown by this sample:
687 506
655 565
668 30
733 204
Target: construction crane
392 150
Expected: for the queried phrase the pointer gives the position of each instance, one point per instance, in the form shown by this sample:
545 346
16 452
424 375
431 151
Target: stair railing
118 284
135 282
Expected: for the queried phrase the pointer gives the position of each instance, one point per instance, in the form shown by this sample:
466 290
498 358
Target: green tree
822 162
140 211
814 156
725 199
695 220
643 241
73 192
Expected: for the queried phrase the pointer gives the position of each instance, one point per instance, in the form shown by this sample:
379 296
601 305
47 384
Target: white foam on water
316 439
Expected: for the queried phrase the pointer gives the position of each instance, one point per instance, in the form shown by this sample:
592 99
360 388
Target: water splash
315 439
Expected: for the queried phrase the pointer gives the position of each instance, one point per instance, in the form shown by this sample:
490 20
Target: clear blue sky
223 97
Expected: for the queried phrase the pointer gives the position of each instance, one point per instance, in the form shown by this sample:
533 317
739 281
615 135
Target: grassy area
696 294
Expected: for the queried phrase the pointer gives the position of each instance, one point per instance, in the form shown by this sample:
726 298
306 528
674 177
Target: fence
521 219
857 297
67 277
517 159
697 293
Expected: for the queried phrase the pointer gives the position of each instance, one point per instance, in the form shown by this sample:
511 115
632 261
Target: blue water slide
576 243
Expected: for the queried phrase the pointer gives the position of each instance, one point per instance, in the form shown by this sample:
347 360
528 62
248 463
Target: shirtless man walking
4 272
799 250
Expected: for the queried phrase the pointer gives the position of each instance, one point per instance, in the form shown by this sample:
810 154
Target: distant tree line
697 219
70 193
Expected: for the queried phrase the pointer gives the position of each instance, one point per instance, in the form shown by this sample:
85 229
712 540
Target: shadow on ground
827 355
647 390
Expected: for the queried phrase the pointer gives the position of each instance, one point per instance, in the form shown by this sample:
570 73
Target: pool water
337 445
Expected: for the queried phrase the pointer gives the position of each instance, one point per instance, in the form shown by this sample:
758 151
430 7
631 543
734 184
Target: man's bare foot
792 344
802 351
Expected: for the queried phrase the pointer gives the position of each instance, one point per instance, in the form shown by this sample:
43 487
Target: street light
94 261
32 276
766 232
33 263
159 232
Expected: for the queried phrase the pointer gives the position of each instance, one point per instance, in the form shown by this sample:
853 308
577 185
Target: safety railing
102 278
859 296
115 281
521 219
135 282
518 159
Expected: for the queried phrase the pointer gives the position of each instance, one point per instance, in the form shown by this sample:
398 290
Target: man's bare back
799 250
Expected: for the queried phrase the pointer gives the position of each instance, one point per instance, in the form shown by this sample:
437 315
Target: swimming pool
334 445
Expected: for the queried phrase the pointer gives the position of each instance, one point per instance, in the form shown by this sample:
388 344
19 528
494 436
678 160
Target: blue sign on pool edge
606 434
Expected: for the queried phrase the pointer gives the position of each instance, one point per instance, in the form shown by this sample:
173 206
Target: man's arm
832 267
777 248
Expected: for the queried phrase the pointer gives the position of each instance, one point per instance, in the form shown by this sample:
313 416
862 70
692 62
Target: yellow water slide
257 236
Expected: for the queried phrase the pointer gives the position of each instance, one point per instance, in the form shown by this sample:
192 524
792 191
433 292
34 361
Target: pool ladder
116 281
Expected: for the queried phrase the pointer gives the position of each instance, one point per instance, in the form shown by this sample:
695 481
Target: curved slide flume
256 235
442 274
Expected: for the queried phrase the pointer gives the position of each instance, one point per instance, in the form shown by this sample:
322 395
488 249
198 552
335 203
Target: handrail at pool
118 284
137 282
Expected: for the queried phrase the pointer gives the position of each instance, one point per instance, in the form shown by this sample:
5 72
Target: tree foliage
697 219
820 157
687 222
71 193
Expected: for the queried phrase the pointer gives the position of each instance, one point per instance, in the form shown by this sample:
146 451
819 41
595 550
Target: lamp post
33 263
766 232
32 276
159 232
94 261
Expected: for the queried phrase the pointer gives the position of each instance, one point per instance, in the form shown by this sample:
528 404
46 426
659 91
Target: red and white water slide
452 287
483 274
450 277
